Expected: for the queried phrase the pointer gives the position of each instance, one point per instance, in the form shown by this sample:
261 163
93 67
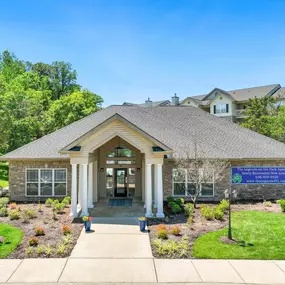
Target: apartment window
221 108
183 184
46 182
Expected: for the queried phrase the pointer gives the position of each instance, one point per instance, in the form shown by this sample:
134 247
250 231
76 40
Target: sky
129 50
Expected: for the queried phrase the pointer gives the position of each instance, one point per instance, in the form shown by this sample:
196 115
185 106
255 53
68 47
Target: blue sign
258 175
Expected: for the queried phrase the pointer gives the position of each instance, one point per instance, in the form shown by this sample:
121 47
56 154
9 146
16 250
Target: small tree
229 194
200 170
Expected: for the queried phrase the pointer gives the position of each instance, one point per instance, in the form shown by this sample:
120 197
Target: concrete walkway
116 252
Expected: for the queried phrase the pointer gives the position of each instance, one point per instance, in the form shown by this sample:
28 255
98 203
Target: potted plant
142 223
87 223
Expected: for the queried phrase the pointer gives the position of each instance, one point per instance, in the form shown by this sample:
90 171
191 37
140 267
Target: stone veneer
17 174
244 192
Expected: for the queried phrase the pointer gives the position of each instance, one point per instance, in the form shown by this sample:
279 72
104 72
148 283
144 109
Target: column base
91 206
160 215
84 214
149 215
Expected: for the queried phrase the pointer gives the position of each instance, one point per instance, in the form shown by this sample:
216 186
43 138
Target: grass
260 235
13 236
3 174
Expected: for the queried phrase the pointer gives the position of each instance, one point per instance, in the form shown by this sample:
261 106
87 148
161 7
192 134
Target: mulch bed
200 225
53 231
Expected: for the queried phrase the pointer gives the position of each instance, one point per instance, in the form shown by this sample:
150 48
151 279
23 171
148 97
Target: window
221 108
46 182
120 162
121 151
183 185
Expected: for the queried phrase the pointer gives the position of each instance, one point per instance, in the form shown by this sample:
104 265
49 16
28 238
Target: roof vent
148 102
175 100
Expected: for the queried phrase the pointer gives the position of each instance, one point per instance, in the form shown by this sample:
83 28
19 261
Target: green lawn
262 236
3 174
13 236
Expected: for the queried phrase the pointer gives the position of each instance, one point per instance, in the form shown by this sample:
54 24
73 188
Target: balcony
241 113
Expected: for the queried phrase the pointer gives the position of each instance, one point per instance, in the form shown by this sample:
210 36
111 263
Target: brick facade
17 171
244 192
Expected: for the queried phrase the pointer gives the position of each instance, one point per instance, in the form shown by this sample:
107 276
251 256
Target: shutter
214 109
227 108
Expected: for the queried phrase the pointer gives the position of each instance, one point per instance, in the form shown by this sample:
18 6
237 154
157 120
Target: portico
125 165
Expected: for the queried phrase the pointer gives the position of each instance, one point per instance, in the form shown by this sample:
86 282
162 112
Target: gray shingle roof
280 93
154 104
176 127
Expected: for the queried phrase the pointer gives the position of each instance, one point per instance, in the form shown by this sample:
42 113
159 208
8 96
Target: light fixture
138 169
102 169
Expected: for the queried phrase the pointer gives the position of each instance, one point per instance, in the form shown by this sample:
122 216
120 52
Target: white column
159 190
90 185
155 181
74 191
80 186
95 182
148 194
84 191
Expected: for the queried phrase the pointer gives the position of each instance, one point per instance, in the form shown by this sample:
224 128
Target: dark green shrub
162 234
179 201
3 212
170 199
175 208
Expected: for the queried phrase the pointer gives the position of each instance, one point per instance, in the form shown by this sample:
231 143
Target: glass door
120 182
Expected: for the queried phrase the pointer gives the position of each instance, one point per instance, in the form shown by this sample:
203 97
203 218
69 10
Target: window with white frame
183 184
221 108
46 182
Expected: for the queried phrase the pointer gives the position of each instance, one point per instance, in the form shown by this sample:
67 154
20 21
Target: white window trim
219 104
39 182
186 182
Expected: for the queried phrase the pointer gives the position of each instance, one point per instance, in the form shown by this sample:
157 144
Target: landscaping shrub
66 229
267 204
179 201
13 206
49 202
188 209
170 199
175 208
224 205
39 231
175 230
33 241
162 234
161 227
66 201
4 202
29 214
282 204
208 213
219 214
3 212
14 215
61 249
190 220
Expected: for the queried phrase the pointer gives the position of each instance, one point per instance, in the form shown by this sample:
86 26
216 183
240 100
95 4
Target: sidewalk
141 270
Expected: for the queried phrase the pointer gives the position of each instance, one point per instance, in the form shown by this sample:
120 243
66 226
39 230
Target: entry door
121 182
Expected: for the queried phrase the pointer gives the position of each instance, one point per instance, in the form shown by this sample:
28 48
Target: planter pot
142 225
87 226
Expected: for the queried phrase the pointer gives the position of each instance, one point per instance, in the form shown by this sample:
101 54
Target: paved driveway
113 238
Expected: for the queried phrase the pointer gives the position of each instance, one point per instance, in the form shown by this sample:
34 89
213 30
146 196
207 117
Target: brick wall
17 171
244 192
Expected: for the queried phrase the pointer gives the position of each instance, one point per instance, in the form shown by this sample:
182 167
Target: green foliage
61 249
3 212
49 202
267 203
33 241
170 199
172 248
33 96
13 237
282 204
224 205
29 214
262 233
4 202
208 212
175 208
162 234
175 230
39 231
14 215
179 201
4 169
218 213
66 201
188 209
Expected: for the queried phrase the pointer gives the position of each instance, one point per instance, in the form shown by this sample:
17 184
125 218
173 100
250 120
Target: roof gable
216 92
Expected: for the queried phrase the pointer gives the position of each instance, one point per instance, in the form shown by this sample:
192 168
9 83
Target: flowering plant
142 218
85 218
